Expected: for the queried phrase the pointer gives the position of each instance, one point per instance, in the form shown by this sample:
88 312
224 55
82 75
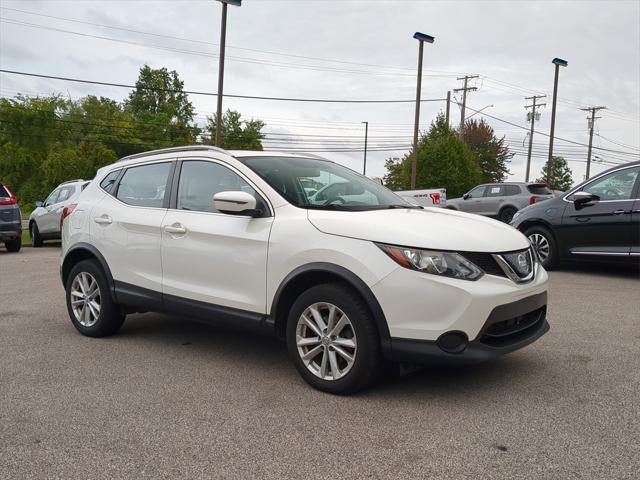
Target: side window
201 180
615 186
52 198
511 190
65 193
107 182
495 191
477 192
144 186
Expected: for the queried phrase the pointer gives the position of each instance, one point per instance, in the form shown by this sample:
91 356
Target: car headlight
446 264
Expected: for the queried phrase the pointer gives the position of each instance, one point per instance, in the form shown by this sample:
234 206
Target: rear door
493 200
125 226
603 227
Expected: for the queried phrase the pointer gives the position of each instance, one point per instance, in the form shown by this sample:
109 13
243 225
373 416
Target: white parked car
233 237
44 221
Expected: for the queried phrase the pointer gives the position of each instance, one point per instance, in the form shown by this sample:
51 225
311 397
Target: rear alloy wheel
544 245
14 245
506 215
89 303
333 340
34 233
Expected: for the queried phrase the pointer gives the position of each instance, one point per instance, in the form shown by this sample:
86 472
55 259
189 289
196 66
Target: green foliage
47 140
558 175
491 153
237 134
444 160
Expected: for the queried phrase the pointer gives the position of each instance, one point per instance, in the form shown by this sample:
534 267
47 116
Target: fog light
453 342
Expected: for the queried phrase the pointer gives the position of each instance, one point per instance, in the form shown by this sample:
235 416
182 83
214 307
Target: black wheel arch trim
350 278
98 256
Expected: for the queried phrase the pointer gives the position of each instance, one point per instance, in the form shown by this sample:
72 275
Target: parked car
597 220
431 197
44 221
10 220
500 200
346 283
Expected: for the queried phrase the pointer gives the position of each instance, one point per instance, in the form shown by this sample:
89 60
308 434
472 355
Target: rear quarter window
511 190
539 190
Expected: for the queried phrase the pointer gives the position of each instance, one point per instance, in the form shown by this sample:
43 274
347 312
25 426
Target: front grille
486 262
512 330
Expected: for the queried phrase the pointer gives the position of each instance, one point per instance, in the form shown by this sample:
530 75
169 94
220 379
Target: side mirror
466 196
582 198
39 204
237 203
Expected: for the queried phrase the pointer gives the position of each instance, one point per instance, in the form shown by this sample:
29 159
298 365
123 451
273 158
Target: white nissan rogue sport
348 281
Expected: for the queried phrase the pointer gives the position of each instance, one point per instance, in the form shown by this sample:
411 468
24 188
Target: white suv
234 237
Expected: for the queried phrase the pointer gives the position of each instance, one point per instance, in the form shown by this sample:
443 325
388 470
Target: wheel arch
85 251
309 275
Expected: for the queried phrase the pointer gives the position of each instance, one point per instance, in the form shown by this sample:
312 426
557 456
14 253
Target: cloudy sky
351 49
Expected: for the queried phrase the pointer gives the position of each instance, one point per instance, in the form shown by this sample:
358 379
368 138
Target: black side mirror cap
466 196
583 198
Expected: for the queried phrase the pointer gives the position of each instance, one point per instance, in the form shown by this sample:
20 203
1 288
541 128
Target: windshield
320 184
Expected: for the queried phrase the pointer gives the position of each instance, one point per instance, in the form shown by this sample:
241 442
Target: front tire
332 339
89 303
14 245
34 233
544 244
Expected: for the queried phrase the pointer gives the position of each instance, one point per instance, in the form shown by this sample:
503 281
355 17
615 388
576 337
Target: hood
431 228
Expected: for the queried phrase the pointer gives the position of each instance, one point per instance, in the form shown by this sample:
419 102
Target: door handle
103 220
619 212
175 228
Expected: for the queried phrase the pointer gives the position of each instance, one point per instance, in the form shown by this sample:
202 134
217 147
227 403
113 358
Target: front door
208 256
473 202
602 227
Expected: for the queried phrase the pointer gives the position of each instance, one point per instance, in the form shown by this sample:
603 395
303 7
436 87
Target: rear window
3 192
539 189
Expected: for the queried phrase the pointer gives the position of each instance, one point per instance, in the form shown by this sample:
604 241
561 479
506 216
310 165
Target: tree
237 134
558 175
161 109
490 152
444 160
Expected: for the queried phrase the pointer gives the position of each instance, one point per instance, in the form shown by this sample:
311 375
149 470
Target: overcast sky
345 49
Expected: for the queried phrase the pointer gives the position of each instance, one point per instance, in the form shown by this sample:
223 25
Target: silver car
44 221
500 200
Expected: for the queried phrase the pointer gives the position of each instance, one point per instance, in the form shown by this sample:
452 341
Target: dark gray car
10 220
500 200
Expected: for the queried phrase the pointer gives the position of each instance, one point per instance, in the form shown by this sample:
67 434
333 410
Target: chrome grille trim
511 273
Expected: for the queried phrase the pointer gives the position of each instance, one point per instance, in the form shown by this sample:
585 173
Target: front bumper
509 327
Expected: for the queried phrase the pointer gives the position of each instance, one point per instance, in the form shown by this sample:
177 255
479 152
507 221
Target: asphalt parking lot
169 398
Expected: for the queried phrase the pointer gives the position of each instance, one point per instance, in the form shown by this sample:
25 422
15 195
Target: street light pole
558 62
223 40
366 138
422 38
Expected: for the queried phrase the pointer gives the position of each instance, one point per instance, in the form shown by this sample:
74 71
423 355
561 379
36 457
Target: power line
190 92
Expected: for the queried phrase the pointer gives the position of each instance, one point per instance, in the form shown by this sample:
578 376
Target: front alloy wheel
541 246
326 341
85 299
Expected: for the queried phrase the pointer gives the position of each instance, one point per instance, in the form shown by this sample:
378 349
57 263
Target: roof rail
188 148
72 181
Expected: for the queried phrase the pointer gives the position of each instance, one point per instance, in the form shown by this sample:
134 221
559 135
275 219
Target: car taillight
66 211
532 200
12 200
435 198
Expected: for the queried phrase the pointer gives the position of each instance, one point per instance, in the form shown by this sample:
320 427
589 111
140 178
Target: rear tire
506 214
544 245
34 233
91 308
354 336
14 245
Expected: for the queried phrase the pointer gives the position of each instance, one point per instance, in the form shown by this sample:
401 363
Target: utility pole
422 38
558 62
448 106
592 122
366 137
533 114
464 90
